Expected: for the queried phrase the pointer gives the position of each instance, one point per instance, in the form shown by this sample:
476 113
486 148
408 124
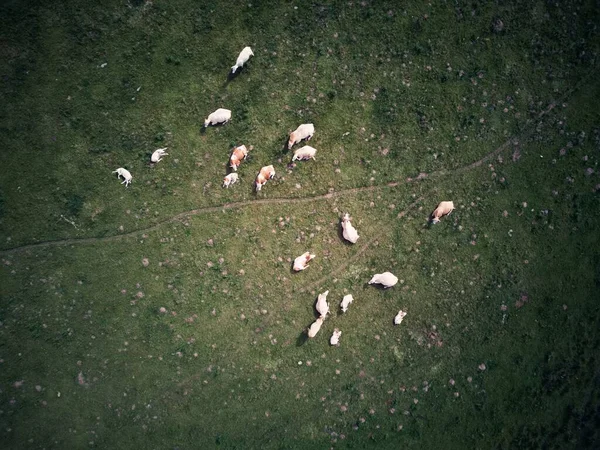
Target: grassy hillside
166 315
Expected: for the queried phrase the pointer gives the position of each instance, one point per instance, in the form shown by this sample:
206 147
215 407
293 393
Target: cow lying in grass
265 174
301 262
386 279
221 115
237 156
443 209
304 131
127 177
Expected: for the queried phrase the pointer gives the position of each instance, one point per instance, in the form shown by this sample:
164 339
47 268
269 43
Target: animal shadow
284 147
233 75
302 339
377 286
227 167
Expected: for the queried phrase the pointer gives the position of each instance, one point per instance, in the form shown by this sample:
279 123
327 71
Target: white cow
230 179
265 174
346 302
386 279
301 262
304 153
242 59
221 115
399 317
322 306
349 232
304 131
335 337
158 154
315 327
443 209
121 172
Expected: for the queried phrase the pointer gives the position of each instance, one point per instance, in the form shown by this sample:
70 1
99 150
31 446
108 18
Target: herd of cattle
303 132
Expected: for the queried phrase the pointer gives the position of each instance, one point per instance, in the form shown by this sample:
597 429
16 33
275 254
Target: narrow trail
283 200
356 255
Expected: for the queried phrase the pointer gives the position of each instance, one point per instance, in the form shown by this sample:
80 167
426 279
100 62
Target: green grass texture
166 315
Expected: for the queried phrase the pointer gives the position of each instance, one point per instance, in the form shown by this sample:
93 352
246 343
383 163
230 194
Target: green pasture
165 315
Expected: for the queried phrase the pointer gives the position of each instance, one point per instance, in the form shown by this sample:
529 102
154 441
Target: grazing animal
237 155
121 172
242 59
301 262
158 154
315 327
265 174
221 115
443 209
304 131
386 279
335 337
305 153
230 179
322 306
399 317
346 302
349 232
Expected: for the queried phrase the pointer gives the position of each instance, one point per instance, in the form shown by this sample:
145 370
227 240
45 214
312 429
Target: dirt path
354 257
276 201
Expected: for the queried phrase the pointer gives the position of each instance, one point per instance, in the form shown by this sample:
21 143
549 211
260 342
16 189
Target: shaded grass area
499 345
381 82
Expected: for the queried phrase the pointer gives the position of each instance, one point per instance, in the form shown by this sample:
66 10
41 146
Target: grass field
165 314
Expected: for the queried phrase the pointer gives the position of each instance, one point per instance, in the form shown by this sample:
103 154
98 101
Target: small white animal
322 306
121 172
304 131
335 337
399 317
242 59
158 154
265 174
386 279
315 327
301 262
349 232
305 153
346 302
237 155
230 179
443 209
221 115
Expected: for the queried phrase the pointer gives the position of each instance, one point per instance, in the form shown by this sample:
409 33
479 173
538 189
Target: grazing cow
265 174
399 317
237 155
121 172
322 306
346 302
158 154
230 179
301 262
443 209
315 327
349 232
335 337
304 131
305 153
242 59
221 115
386 279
